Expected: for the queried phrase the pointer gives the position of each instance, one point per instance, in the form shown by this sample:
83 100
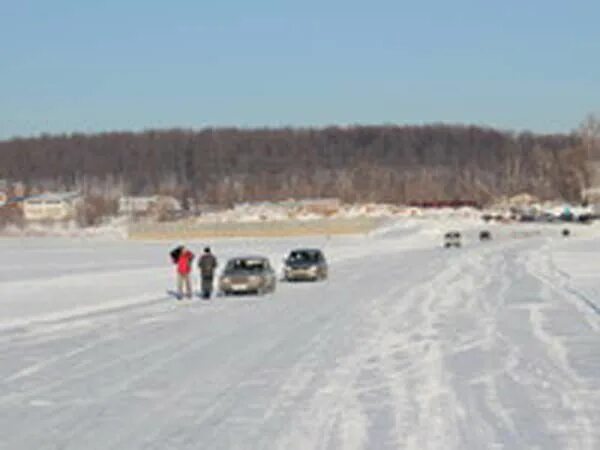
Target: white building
52 206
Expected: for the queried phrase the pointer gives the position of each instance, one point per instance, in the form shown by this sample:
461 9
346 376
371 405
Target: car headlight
313 269
225 280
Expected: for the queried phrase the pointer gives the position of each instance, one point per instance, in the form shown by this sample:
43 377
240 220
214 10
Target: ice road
407 346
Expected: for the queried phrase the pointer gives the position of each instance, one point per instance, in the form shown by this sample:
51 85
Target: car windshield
304 256
248 265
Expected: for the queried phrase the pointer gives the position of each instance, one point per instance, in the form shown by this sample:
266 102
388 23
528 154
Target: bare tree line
375 163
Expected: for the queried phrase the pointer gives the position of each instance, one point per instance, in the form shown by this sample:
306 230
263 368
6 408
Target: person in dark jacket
182 258
207 265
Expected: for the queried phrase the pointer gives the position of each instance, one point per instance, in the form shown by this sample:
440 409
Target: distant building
51 206
18 189
3 192
15 202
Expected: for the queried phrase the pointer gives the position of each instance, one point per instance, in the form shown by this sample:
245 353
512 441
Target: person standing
183 261
207 265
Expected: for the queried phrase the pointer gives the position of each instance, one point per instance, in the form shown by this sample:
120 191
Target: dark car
305 264
485 235
247 275
452 239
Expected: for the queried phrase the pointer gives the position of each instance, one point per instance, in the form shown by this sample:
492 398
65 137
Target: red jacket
184 263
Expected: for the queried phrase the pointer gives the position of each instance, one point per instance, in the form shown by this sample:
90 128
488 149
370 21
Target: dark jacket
176 253
207 265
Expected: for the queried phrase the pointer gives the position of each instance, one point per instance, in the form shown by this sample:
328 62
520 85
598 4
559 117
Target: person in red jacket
183 262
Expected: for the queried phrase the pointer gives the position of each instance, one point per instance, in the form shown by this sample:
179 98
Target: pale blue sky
76 65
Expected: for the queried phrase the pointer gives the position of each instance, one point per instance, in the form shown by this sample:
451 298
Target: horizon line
251 128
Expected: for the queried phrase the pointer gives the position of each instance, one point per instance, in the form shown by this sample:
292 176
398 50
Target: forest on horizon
222 166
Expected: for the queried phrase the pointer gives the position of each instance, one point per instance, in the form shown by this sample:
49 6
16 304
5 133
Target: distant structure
4 192
293 207
147 205
444 204
320 206
591 195
51 206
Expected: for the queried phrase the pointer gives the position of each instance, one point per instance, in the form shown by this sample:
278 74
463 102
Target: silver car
247 275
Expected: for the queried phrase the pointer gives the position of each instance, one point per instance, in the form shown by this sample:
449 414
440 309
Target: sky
92 66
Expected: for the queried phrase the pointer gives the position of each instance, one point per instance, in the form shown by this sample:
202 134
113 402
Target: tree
589 131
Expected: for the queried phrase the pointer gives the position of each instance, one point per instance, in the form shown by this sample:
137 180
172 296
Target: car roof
249 257
308 250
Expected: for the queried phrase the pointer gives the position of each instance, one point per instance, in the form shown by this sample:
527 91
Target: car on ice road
305 264
452 239
247 275
485 235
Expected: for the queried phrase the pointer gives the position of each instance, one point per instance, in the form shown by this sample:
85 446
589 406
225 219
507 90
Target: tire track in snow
424 344
225 399
572 388
313 429
169 352
82 425
338 404
218 412
436 406
96 369
54 330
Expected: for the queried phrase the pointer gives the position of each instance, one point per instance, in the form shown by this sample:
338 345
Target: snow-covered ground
406 346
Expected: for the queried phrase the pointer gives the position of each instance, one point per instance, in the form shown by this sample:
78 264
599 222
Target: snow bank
272 212
116 229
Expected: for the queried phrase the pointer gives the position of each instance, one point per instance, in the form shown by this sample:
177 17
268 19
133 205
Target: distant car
527 218
547 217
247 275
305 264
485 235
452 239
585 218
567 216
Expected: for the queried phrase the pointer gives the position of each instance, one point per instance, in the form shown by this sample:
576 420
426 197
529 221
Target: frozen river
407 345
